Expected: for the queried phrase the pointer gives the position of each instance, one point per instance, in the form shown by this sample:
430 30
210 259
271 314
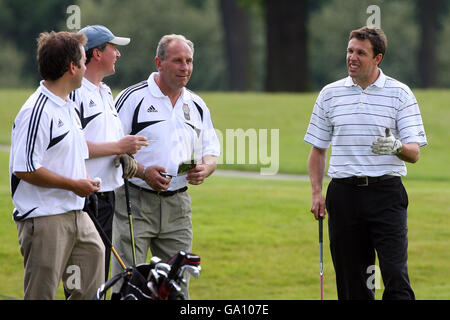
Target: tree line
241 45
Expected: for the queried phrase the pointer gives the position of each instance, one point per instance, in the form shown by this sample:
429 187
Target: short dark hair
90 52
55 52
376 37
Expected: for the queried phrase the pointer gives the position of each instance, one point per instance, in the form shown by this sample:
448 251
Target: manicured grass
262 242
290 114
257 238
11 100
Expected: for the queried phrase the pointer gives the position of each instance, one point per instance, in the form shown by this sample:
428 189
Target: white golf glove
388 145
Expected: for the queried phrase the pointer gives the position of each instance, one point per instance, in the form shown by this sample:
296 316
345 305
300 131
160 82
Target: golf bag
154 281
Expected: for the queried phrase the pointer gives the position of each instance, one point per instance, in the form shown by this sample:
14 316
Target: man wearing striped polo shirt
49 179
373 125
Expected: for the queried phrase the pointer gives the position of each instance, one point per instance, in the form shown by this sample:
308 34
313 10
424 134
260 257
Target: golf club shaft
102 232
130 220
321 255
118 258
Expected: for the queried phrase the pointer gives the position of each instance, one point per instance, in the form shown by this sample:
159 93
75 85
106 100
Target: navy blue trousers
362 221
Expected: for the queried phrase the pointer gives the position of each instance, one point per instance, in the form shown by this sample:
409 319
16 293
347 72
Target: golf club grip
102 232
127 193
127 196
320 229
96 223
176 265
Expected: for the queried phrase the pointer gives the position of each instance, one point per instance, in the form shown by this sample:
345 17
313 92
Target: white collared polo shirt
175 134
100 123
350 119
46 133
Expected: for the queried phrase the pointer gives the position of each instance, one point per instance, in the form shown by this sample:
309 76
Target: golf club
130 217
105 237
155 281
321 255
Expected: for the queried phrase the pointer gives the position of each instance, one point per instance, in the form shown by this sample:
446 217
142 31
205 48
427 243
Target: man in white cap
108 147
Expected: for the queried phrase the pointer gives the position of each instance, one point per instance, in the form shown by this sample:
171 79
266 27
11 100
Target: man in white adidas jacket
49 179
178 125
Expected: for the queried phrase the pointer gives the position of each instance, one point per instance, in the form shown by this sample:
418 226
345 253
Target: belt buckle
362 181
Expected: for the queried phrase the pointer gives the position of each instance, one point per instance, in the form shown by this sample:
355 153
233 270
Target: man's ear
158 62
378 58
72 67
96 54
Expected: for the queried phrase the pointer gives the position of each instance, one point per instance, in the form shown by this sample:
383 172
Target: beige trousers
161 224
63 247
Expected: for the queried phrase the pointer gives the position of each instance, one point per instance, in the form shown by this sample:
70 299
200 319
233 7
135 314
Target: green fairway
290 113
11 100
256 238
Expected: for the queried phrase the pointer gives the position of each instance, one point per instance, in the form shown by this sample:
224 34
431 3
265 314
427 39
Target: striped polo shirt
46 133
351 119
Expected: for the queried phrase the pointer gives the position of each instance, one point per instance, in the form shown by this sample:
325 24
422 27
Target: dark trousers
364 220
106 205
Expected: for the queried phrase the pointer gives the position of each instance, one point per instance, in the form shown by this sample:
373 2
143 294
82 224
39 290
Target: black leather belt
104 194
363 181
160 193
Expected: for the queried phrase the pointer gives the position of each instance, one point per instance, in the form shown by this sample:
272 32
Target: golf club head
162 274
192 270
175 285
154 261
153 276
162 267
152 289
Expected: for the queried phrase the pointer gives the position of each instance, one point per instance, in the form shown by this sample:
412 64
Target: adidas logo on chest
152 109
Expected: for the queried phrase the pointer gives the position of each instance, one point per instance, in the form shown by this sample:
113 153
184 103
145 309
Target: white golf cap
98 35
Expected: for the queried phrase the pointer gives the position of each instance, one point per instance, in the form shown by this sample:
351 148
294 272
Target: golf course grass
256 238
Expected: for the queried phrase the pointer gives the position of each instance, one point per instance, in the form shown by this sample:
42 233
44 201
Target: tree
429 14
25 20
287 38
235 22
